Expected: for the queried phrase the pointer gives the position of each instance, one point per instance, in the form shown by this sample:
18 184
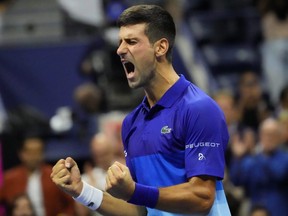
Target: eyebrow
127 39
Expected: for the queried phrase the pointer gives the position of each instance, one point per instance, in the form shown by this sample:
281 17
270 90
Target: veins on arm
195 196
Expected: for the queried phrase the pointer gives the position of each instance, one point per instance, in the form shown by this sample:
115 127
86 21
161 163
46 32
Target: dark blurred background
60 75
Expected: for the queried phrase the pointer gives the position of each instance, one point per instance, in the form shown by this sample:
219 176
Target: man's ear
161 47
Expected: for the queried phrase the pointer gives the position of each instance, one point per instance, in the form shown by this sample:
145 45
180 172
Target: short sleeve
206 138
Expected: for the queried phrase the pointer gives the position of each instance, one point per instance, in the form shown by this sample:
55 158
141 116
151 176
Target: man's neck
32 171
164 79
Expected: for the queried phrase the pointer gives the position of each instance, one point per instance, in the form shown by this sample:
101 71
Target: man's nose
122 49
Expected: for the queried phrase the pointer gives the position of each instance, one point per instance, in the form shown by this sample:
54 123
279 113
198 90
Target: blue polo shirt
182 136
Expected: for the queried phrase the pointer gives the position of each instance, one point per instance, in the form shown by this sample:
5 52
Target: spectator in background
252 102
32 176
264 174
259 210
90 98
274 16
20 121
111 123
22 206
243 143
281 113
102 153
226 101
283 100
103 156
283 121
235 195
91 101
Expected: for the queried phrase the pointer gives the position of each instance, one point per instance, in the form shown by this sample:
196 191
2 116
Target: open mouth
129 67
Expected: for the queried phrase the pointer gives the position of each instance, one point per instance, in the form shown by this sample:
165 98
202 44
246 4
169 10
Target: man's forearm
112 206
105 203
196 196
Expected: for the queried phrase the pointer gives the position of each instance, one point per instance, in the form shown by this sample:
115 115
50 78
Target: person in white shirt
103 156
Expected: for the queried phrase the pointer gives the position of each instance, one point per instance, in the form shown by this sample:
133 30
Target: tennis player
174 140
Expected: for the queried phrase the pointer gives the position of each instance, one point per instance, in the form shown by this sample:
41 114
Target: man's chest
160 134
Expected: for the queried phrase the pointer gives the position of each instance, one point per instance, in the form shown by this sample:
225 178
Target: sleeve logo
202 144
201 156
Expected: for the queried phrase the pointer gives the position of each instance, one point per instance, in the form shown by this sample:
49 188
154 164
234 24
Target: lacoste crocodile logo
165 130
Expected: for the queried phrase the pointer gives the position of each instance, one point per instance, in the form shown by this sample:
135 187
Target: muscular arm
195 196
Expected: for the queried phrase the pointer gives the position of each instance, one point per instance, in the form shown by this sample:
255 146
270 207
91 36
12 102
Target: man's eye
131 42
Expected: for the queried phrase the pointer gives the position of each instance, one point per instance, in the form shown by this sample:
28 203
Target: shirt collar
171 95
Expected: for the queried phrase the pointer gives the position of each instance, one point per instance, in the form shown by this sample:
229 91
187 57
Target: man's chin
133 85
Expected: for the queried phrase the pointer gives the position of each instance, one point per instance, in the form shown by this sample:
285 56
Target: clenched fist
66 175
119 182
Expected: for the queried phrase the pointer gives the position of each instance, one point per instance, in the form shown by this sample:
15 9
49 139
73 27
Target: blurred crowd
256 111
257 154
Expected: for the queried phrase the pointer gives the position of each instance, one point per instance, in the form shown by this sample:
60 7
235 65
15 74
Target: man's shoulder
196 99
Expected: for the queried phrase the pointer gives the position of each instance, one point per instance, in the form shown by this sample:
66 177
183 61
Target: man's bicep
203 181
194 196
203 186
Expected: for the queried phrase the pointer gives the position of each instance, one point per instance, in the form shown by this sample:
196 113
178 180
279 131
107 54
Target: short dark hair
159 22
30 136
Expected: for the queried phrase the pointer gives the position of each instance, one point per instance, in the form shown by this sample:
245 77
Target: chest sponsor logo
165 130
203 144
